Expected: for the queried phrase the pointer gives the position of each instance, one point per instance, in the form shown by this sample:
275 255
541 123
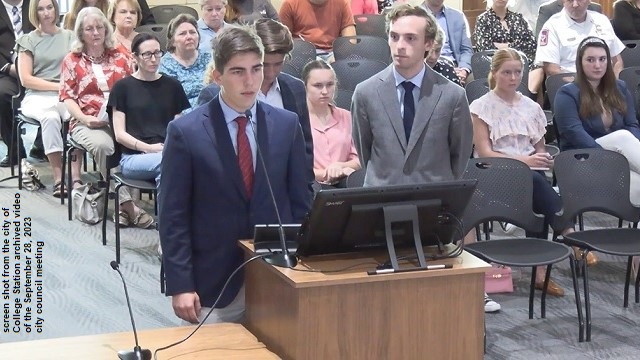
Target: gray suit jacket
441 138
551 7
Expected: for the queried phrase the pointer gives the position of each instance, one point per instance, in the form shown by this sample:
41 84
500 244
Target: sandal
143 220
57 190
123 219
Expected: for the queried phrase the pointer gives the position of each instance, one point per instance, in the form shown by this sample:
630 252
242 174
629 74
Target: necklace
96 59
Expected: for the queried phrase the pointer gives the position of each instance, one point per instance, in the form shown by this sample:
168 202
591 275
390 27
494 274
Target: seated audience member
597 111
501 28
248 11
438 64
69 20
88 74
552 7
457 44
125 17
40 54
528 9
359 7
508 124
319 22
626 19
216 191
142 106
278 89
184 62
211 22
334 154
560 36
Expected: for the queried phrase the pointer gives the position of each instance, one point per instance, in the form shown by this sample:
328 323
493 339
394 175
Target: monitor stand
405 213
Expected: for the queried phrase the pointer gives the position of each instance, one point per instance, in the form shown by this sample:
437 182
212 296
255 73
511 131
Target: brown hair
403 10
234 40
173 25
33 12
499 58
113 5
606 94
72 15
276 38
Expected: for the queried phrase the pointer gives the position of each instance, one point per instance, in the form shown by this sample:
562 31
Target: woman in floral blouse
501 28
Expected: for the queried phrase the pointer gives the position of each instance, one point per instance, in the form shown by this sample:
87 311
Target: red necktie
245 158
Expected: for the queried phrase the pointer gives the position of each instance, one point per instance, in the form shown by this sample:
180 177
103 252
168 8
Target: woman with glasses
142 106
184 61
88 74
597 111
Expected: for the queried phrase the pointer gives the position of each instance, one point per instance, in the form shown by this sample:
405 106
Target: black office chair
343 99
553 83
120 181
586 184
303 52
631 76
164 13
352 72
362 47
631 55
356 178
159 30
504 193
371 25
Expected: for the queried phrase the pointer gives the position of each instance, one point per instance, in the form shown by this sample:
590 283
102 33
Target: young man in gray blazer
410 124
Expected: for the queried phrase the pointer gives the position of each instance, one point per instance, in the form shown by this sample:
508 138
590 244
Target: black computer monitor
354 219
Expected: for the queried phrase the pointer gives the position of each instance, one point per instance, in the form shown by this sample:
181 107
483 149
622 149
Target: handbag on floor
30 178
88 203
498 279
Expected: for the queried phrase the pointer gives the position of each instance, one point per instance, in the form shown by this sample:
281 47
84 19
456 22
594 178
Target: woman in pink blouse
334 155
508 124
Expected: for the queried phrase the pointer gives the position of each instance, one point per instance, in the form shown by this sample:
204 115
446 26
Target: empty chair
631 76
586 184
302 53
631 55
159 30
371 25
362 47
164 13
352 72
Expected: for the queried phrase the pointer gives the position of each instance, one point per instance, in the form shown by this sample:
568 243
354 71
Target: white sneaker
490 306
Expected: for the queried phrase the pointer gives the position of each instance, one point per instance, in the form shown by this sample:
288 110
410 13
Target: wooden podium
329 314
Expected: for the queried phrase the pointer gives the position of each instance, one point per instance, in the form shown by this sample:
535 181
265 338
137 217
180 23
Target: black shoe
38 153
5 162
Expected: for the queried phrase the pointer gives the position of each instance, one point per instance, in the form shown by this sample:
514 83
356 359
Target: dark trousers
8 88
546 201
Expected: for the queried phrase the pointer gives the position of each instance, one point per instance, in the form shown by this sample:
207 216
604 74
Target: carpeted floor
83 295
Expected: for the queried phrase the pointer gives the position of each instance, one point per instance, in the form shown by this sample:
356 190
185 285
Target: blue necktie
409 108
17 22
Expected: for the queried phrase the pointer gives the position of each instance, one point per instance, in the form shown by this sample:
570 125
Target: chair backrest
303 52
356 178
159 30
164 13
631 55
352 72
481 64
631 76
476 88
362 47
504 193
343 99
594 180
371 25
555 82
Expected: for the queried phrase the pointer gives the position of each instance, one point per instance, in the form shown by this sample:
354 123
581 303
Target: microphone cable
224 287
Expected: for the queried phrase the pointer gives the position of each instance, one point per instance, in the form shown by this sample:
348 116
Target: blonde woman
211 22
125 16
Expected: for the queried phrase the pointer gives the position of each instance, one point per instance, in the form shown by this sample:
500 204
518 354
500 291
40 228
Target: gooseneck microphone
283 259
137 353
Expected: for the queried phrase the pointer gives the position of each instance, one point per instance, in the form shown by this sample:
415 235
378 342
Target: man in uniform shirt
559 38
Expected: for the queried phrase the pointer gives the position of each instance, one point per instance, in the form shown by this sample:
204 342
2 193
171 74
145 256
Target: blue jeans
142 166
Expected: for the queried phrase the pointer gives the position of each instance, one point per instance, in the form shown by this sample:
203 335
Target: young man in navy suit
214 189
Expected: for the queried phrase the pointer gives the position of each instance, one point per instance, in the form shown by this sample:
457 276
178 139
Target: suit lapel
388 96
216 127
263 121
429 97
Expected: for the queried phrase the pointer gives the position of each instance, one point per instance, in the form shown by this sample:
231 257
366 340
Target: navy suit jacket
7 37
294 99
577 133
204 208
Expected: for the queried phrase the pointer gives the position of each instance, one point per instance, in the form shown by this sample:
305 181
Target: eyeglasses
148 54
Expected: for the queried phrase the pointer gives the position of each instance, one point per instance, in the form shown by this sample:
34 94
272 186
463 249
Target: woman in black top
142 106
626 19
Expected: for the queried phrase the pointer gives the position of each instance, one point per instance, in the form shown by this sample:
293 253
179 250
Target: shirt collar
203 26
416 80
570 22
230 115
